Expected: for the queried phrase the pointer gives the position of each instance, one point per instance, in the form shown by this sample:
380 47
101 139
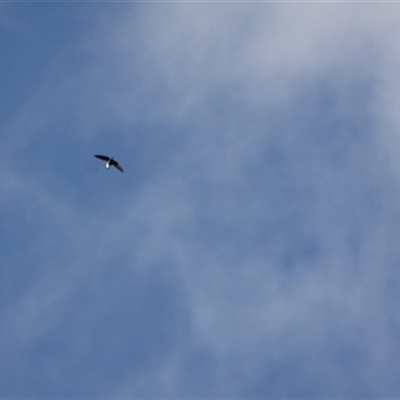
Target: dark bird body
109 162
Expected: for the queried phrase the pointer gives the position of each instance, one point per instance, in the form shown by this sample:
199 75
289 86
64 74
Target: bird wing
104 158
117 165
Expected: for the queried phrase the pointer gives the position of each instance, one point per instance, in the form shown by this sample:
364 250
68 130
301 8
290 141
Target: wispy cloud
250 249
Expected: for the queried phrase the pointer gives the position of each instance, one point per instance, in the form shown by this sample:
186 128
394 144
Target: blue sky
250 249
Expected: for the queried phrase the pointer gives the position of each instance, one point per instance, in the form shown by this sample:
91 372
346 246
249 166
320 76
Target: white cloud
269 204
242 309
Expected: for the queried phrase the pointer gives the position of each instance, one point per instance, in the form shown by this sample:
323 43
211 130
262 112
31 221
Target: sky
251 247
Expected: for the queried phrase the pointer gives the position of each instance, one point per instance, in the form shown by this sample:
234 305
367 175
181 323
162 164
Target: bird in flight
109 162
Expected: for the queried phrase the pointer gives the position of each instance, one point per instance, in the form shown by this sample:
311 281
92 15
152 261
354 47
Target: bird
109 162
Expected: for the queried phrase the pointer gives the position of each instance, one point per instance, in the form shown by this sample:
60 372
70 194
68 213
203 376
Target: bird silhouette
109 162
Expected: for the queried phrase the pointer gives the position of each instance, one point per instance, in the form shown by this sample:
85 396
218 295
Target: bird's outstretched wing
104 158
117 165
